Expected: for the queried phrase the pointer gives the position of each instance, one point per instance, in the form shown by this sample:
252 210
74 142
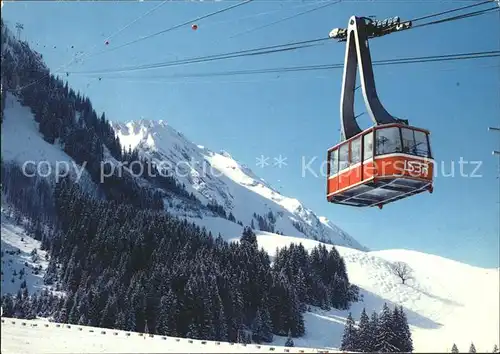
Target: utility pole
19 27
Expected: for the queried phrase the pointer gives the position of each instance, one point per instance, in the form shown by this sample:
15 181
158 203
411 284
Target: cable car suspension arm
356 36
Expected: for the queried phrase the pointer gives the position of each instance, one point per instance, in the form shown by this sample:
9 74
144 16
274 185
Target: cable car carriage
390 160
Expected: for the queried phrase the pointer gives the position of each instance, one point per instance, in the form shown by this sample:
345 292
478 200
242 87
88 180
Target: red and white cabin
380 165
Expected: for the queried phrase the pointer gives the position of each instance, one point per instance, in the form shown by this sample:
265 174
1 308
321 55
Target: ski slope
17 247
38 336
22 143
446 302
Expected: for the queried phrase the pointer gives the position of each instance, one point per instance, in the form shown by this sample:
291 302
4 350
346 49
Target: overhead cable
75 58
395 61
175 27
328 3
261 50
246 52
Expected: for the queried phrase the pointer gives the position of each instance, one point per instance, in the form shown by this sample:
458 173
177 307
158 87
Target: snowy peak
219 178
225 154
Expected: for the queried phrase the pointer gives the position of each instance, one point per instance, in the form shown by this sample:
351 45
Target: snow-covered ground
22 143
38 336
17 248
446 302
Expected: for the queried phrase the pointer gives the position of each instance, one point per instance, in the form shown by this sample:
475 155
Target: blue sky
297 114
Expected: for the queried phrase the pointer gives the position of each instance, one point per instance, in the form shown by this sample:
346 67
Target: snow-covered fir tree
389 333
401 329
365 334
350 336
289 340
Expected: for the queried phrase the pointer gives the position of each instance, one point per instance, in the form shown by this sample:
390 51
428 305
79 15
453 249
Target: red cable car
386 162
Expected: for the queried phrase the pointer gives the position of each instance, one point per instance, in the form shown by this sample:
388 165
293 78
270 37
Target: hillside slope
22 258
217 177
446 302
23 144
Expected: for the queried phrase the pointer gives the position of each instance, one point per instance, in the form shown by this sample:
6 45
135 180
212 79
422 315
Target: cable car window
343 157
356 150
387 141
368 146
421 144
415 142
334 162
408 141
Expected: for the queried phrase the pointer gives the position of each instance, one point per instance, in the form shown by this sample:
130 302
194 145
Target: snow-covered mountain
217 177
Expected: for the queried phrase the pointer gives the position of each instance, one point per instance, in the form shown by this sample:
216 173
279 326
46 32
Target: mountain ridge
219 177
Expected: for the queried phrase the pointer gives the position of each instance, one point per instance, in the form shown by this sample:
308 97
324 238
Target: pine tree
74 314
373 332
472 348
296 317
257 328
454 348
130 320
350 336
82 321
386 336
7 306
221 321
289 340
267 326
249 236
120 322
301 288
31 307
406 340
364 333
108 318
166 320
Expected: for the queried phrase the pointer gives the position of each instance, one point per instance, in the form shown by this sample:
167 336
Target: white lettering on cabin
416 167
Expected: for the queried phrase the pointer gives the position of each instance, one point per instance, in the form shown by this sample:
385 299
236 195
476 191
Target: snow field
16 250
38 336
445 302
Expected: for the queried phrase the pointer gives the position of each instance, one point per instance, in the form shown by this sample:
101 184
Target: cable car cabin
398 165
